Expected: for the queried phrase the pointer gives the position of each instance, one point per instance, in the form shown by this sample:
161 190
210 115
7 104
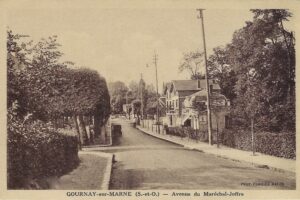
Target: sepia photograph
149 101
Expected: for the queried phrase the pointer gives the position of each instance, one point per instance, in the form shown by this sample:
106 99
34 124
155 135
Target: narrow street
144 162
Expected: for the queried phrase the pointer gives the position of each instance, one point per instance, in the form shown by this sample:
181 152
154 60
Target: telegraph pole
127 109
142 99
206 79
157 101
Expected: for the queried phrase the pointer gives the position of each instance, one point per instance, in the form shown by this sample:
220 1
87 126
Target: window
202 118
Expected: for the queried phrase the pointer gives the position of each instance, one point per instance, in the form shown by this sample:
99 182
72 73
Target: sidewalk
259 160
93 172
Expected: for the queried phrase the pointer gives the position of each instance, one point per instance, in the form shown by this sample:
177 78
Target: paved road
144 162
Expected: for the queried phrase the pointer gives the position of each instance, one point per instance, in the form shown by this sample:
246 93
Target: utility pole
127 108
142 99
157 101
206 79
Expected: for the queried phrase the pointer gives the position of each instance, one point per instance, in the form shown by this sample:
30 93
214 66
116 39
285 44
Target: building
175 93
194 112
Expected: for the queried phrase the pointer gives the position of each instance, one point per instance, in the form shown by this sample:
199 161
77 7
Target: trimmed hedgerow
186 132
36 150
176 131
275 144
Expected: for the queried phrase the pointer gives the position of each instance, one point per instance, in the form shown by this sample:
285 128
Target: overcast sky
118 43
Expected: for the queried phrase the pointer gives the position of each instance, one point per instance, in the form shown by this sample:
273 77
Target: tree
150 101
117 92
52 91
134 90
136 104
16 62
220 69
190 63
88 96
32 70
262 56
152 106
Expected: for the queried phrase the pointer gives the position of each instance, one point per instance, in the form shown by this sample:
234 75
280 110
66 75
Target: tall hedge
51 90
36 150
275 144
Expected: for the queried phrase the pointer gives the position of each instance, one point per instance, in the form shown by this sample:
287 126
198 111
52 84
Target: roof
188 85
203 93
201 96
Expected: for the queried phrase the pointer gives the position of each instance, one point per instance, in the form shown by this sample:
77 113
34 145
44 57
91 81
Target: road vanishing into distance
144 162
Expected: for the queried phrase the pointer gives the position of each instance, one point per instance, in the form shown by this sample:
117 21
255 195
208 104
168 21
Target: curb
96 145
266 166
157 136
262 166
108 168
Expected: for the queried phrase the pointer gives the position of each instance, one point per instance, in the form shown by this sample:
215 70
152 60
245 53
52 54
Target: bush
275 144
37 150
176 131
186 132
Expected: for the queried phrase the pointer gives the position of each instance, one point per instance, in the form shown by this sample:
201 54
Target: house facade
175 93
195 111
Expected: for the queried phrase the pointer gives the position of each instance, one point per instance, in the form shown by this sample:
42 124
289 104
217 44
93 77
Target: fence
152 125
183 132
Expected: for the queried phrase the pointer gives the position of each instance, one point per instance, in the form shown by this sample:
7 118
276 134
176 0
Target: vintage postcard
149 99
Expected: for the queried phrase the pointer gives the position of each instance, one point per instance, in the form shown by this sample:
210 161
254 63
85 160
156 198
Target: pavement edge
162 138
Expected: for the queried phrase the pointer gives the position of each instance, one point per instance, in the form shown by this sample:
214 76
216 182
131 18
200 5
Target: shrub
275 144
176 131
37 150
186 132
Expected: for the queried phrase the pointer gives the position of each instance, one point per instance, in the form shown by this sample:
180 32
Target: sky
120 42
